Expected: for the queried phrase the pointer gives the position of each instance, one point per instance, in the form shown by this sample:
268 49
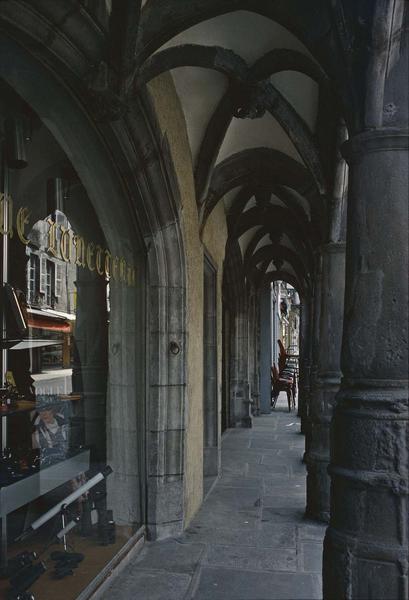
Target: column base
366 546
318 488
247 419
318 450
320 517
353 568
247 422
255 400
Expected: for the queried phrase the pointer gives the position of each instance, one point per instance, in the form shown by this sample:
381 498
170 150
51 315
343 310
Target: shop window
70 403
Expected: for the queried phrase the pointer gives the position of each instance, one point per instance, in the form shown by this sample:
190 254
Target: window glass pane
69 399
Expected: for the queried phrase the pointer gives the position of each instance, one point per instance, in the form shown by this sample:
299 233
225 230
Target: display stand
30 488
27 489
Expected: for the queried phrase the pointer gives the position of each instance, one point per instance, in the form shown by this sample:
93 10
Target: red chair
281 384
286 369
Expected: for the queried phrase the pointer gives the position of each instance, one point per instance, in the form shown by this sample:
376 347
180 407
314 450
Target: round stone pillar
327 380
366 544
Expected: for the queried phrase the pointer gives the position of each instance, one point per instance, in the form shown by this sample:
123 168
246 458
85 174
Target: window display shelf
29 405
28 489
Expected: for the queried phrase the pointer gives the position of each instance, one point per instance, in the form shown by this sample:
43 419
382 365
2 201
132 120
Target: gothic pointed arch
302 249
217 58
308 23
283 275
276 252
257 165
286 59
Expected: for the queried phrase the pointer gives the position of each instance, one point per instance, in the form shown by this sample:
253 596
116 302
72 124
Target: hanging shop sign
63 243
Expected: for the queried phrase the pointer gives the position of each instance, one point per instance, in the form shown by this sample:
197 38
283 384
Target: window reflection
73 407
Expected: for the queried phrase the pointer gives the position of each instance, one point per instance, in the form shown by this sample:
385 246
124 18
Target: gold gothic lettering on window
65 244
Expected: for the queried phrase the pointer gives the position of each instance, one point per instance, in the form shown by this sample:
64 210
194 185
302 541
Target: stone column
265 350
315 313
304 361
327 380
366 544
328 377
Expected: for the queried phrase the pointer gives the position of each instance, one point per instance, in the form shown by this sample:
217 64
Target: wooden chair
287 370
280 384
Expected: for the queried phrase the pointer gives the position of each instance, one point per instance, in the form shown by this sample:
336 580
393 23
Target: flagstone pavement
249 540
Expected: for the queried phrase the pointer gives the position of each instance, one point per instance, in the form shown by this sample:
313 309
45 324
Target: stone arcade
214 147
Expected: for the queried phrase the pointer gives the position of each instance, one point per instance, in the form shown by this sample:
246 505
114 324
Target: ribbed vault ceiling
252 95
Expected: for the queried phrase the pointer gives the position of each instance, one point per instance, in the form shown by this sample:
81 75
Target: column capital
375 140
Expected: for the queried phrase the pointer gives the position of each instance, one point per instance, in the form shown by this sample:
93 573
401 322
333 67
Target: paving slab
252 559
298 469
239 470
297 444
279 485
232 443
311 530
229 584
148 585
170 555
273 450
272 469
250 537
285 500
230 459
234 498
274 459
265 443
276 535
249 482
286 514
312 557
243 520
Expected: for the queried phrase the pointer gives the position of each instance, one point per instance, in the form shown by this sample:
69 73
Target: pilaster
327 380
315 343
304 362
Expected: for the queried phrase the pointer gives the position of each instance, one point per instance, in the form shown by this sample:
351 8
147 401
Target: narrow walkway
249 541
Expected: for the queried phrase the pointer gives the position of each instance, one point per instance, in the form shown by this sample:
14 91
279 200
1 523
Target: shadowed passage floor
250 540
